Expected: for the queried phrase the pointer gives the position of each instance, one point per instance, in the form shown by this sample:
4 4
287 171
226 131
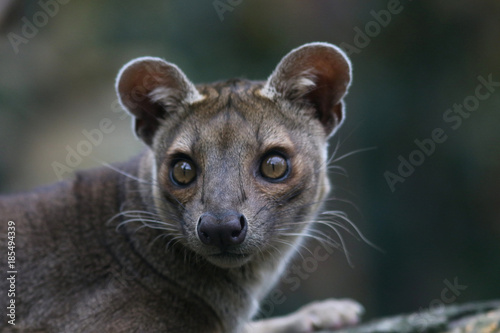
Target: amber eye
183 172
274 167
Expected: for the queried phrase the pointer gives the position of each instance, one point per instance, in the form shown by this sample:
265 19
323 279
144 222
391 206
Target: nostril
206 229
239 235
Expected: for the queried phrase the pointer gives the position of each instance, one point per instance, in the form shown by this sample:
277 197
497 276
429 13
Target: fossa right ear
317 74
150 89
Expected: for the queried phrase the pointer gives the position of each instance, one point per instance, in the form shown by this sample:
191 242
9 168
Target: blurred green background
441 224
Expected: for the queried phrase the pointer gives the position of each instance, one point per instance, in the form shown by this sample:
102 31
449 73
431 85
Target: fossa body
190 235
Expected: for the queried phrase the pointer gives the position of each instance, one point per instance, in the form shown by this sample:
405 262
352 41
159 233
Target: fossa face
239 167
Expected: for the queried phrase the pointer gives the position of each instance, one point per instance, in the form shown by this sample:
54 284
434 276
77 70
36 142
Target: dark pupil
274 167
183 172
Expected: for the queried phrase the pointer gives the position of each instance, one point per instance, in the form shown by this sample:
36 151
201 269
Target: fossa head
239 167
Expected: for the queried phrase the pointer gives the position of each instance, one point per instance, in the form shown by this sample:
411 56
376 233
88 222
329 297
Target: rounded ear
150 89
317 74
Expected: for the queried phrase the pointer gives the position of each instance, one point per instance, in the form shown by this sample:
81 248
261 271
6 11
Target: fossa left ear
151 90
317 74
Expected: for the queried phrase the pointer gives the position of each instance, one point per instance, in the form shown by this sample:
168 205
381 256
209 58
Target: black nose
224 232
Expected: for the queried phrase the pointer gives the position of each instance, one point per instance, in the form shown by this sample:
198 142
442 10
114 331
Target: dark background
441 224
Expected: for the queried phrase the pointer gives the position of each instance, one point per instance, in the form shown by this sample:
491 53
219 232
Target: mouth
229 259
